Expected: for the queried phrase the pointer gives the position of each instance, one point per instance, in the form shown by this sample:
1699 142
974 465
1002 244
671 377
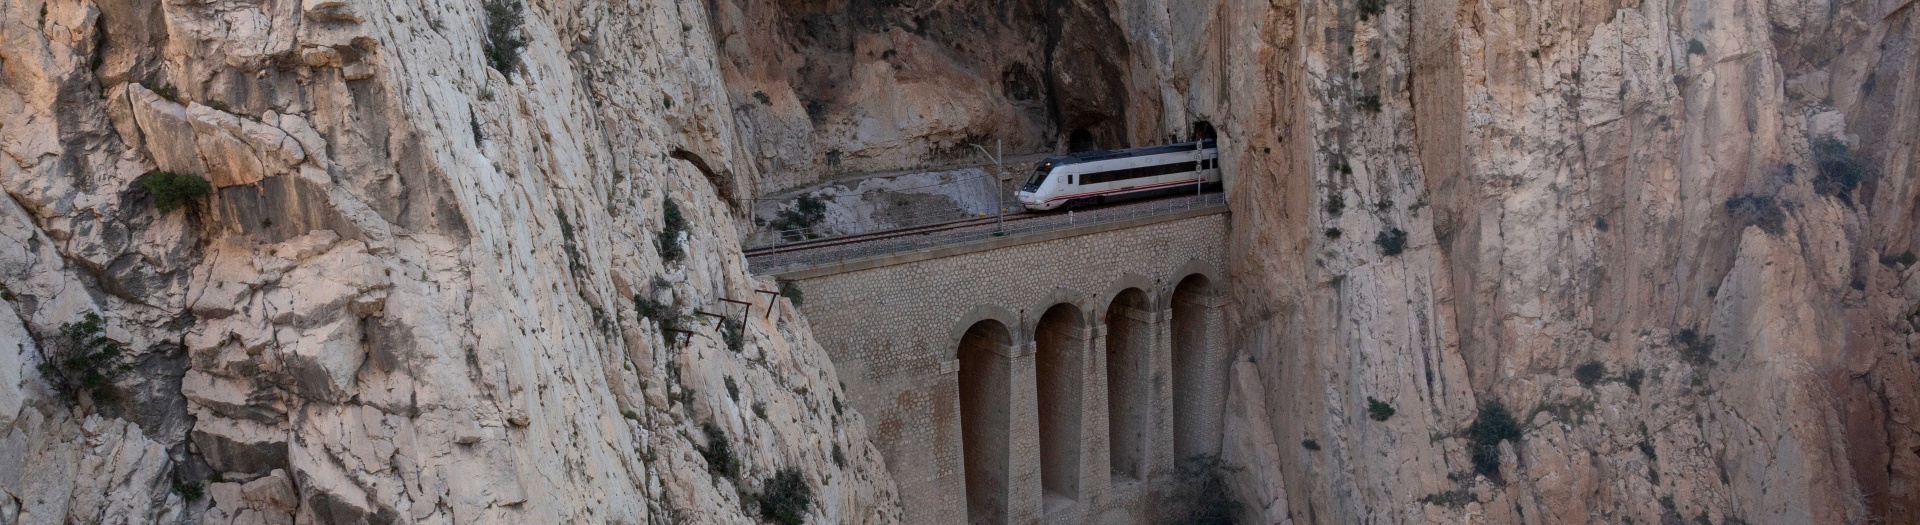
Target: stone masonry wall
893 333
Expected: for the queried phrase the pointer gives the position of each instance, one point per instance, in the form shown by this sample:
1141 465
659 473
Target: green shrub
735 334
1635 378
1758 210
172 190
791 291
190 490
760 409
672 224
1333 233
1368 103
1456 498
1378 410
1372 8
1198 494
504 41
785 496
1391 242
797 223
1839 173
718 452
1694 348
733 389
839 458
762 97
666 317
1589 373
1335 204
1904 259
83 360
1694 47
1310 444
1493 425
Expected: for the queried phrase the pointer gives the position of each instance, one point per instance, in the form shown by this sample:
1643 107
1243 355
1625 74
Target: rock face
1672 239
1667 236
411 295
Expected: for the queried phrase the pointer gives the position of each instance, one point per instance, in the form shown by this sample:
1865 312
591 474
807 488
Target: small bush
190 490
762 97
760 409
718 452
172 190
1335 205
1904 259
672 224
1333 233
785 496
83 360
1694 47
1758 210
733 389
735 334
1635 378
1840 173
797 223
1391 242
1455 498
1372 8
504 40
1378 410
1493 425
1368 103
666 317
839 458
1694 348
792 292
1310 444
1199 494
1589 373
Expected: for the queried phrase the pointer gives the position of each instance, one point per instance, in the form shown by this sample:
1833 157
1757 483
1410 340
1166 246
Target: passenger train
1103 176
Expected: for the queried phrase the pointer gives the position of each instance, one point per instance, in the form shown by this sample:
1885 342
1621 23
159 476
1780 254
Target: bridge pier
1051 378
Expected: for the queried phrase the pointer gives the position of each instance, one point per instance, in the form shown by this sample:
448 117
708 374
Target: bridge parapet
1048 375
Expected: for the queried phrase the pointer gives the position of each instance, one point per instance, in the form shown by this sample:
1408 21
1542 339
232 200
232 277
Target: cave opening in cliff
1196 403
1129 347
1203 130
985 377
1058 342
1081 140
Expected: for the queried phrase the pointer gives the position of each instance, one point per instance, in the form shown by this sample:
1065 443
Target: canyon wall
1671 239
429 284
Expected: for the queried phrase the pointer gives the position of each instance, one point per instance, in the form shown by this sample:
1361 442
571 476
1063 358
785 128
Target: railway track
884 234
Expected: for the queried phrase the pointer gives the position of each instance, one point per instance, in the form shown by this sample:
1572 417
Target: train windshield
1039 176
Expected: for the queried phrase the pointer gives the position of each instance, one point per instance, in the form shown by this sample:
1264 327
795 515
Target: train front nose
1026 198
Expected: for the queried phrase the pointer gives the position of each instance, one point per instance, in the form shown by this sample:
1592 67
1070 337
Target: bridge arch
1130 329
987 312
1195 329
985 391
1060 341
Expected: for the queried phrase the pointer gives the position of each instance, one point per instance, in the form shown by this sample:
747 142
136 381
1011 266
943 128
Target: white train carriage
1104 176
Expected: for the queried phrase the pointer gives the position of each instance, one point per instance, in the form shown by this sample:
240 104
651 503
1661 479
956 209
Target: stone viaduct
1047 377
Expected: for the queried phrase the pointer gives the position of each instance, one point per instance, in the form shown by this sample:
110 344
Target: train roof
1090 156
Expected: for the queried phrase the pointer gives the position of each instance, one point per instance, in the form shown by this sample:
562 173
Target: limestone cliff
414 294
1672 239
1669 237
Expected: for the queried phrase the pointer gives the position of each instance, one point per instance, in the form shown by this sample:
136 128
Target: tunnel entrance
1081 140
1129 349
985 375
1203 130
1058 341
1196 403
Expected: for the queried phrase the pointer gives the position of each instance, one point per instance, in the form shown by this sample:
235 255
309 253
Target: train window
1033 183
